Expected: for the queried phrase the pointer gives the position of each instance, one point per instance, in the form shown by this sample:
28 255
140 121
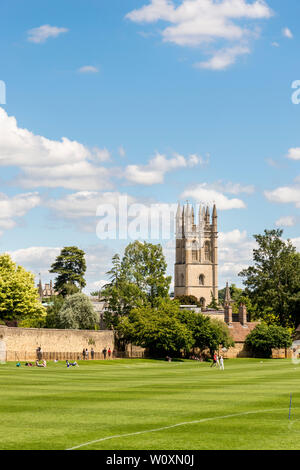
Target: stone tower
196 266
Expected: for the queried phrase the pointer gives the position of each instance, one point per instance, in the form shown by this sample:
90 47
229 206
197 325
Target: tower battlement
196 266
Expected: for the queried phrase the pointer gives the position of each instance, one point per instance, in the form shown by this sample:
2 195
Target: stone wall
21 343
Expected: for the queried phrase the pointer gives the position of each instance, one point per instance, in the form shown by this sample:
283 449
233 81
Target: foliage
188 300
264 338
157 329
70 266
120 295
207 333
55 305
18 294
273 282
145 266
96 293
166 329
238 296
213 304
136 280
77 313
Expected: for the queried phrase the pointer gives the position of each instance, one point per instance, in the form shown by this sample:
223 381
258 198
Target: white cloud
85 203
158 166
275 44
41 34
223 58
51 163
235 254
294 153
287 33
288 221
16 207
296 243
208 194
122 152
201 22
285 195
38 259
88 69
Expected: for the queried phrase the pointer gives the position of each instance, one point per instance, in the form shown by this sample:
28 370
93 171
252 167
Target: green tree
138 279
207 333
18 295
120 294
77 313
273 282
145 266
168 329
264 338
158 329
187 300
53 309
213 304
70 266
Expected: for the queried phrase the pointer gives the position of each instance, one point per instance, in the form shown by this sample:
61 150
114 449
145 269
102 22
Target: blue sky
158 100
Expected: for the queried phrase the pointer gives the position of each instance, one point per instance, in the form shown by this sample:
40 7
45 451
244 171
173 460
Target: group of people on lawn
218 361
105 352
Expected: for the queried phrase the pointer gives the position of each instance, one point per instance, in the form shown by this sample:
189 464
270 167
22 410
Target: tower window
194 251
201 279
207 251
182 280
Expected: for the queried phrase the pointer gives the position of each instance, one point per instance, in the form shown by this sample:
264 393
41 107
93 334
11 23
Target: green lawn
117 404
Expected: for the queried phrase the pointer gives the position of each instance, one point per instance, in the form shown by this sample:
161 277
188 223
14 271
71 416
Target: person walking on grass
109 353
221 363
83 354
92 353
104 353
214 363
87 354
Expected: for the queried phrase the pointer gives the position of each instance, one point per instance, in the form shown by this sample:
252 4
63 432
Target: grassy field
144 404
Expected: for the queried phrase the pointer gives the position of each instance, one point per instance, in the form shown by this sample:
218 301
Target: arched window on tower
201 279
207 251
182 280
194 251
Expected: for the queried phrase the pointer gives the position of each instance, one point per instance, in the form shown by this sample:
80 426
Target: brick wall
22 343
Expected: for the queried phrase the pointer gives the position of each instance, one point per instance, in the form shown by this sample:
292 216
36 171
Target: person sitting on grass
44 363
73 364
18 364
28 364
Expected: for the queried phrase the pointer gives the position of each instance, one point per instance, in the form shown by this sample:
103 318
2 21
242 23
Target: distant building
196 264
100 307
47 291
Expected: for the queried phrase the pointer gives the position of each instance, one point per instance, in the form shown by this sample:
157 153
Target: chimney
243 314
228 314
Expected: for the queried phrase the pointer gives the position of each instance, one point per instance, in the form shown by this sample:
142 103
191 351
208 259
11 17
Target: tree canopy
138 279
166 329
18 295
264 338
77 313
70 266
273 282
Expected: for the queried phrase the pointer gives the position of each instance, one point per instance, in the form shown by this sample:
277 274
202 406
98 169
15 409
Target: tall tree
273 282
70 266
120 294
77 313
145 266
18 294
264 338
